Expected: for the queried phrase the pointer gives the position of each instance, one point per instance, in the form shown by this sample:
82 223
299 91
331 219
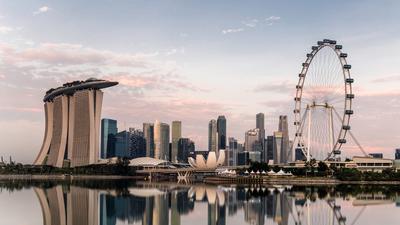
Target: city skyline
170 69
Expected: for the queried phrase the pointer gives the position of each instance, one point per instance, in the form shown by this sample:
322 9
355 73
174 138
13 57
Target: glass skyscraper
108 132
221 130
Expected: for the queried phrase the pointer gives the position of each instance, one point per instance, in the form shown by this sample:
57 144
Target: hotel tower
73 114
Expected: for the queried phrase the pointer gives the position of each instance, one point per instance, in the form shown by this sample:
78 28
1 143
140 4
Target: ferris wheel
323 102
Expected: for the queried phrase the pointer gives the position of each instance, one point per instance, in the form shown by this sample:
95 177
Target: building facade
72 131
176 135
221 130
252 141
260 124
108 131
185 148
277 146
283 128
148 133
232 152
161 141
212 136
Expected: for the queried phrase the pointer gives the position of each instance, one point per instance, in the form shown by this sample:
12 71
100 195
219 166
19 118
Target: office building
185 148
277 146
252 141
161 140
221 130
72 130
243 158
148 133
232 151
212 136
108 131
283 128
121 144
269 145
260 125
137 143
176 135
255 156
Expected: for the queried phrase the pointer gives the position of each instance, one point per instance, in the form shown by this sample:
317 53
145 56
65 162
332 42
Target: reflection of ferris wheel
323 102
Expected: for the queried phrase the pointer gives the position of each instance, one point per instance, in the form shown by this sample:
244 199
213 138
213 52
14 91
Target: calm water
110 203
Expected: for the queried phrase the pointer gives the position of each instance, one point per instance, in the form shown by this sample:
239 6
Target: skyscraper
269 145
260 124
108 132
72 132
185 147
137 143
148 133
212 135
176 135
161 140
283 127
277 146
221 130
252 140
231 154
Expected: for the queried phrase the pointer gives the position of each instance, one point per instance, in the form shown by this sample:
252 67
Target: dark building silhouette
185 146
221 131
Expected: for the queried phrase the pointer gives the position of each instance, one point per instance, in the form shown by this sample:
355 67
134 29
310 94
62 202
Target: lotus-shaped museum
214 159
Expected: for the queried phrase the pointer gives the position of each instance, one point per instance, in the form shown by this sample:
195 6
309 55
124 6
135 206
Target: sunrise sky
192 61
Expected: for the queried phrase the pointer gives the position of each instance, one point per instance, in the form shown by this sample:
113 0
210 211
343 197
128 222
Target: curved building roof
147 161
72 87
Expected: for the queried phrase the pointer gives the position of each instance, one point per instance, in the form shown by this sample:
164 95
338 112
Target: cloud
232 30
41 10
251 23
5 29
284 87
386 79
272 19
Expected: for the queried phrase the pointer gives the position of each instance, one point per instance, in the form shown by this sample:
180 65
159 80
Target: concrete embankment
61 177
299 181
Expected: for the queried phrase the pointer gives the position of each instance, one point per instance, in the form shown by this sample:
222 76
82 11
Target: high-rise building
397 154
277 146
72 132
185 147
148 133
269 145
161 140
231 153
108 131
137 143
221 130
212 136
121 144
260 124
252 140
176 135
283 127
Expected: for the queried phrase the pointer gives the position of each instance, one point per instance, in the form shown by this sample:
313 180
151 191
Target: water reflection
159 204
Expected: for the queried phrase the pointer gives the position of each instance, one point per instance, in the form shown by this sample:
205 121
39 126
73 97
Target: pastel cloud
232 30
5 29
41 10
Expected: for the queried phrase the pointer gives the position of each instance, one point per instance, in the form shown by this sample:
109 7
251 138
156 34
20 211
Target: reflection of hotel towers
77 207
72 123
